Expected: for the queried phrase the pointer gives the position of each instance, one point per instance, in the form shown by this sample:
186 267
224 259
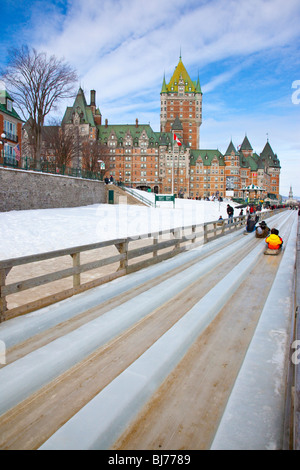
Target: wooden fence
150 248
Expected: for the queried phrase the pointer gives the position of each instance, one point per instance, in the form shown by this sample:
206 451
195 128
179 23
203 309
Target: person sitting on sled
262 231
274 241
251 223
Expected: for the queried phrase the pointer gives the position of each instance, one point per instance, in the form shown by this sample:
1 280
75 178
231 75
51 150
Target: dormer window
9 105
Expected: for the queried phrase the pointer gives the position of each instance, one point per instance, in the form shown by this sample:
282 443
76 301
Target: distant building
11 126
291 201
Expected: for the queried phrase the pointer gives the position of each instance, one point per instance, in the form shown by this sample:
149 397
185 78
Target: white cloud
122 48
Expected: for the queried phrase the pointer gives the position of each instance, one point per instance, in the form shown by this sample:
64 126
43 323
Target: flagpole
173 165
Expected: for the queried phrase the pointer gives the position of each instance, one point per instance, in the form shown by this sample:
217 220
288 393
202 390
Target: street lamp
2 141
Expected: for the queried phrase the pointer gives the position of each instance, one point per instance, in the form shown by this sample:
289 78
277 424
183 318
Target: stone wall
23 190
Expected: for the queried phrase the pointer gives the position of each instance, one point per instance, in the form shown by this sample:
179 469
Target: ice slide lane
118 403
258 396
19 329
26 375
28 441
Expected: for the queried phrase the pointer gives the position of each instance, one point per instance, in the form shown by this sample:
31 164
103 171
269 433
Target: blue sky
246 53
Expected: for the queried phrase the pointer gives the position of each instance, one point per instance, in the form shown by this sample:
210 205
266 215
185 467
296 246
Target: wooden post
155 241
215 229
123 248
177 236
76 262
205 233
3 304
193 232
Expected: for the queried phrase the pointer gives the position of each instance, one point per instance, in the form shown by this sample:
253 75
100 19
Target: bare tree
37 83
60 146
94 155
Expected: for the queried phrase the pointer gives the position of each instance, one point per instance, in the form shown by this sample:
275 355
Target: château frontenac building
140 157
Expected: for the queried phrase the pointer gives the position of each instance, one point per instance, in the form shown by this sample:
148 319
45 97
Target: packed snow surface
41 230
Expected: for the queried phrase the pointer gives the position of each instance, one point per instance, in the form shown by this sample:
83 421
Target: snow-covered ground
37 231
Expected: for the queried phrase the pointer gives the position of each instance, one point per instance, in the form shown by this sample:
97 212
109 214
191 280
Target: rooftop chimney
93 98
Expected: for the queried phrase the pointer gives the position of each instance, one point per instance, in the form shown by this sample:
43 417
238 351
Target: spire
198 86
230 149
164 86
246 144
180 73
267 151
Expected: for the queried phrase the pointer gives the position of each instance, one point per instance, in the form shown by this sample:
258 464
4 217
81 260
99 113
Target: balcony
11 137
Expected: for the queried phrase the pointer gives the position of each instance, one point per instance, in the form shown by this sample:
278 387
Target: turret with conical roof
246 148
230 149
269 157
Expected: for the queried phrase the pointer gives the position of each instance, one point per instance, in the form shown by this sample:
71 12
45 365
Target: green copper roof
121 130
207 156
246 144
4 95
231 148
268 156
82 108
177 125
267 151
180 74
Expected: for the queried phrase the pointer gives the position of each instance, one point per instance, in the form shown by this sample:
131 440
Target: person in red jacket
274 241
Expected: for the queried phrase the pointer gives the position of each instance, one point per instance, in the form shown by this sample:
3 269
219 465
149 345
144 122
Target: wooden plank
136 252
9 263
150 261
58 275
57 297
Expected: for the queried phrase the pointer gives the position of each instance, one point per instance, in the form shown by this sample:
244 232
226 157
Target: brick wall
23 190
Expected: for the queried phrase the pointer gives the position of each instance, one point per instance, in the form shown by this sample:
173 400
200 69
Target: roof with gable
122 130
206 156
177 125
4 95
82 108
179 74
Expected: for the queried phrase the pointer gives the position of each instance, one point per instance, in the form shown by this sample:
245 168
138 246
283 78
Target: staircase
122 197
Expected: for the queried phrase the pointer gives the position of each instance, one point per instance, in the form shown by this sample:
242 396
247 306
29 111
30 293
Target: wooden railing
153 248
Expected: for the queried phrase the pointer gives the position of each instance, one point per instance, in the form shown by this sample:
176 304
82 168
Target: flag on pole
17 152
177 140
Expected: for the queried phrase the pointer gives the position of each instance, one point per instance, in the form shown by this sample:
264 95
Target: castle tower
181 99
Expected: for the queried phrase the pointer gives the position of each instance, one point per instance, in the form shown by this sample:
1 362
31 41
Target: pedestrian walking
230 212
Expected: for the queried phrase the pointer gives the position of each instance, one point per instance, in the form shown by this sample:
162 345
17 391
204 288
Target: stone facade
24 190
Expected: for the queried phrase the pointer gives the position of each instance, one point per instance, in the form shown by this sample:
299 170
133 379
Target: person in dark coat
251 223
230 213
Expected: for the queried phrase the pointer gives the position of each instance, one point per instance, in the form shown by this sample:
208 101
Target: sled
268 251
